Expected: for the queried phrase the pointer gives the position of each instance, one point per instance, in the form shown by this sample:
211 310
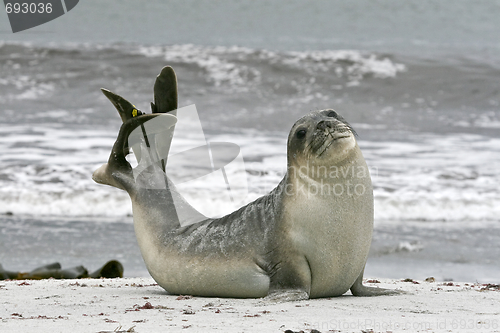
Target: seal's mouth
326 134
329 142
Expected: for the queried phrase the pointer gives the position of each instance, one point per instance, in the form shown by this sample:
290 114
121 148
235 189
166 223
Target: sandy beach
140 305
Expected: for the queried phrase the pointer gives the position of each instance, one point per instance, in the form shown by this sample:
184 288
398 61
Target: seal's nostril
322 125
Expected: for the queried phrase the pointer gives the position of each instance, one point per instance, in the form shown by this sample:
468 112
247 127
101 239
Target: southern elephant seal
307 238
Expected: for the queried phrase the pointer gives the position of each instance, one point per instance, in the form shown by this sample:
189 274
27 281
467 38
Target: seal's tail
118 171
150 142
165 101
165 91
126 110
165 97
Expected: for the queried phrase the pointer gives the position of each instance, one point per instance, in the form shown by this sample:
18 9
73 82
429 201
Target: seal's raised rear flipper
165 91
165 100
126 109
118 172
150 142
165 96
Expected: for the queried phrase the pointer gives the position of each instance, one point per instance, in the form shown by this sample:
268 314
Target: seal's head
320 137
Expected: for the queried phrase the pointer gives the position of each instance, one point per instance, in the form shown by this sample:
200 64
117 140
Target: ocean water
417 80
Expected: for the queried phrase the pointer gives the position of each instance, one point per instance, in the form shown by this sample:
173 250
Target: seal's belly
214 276
331 276
335 264
335 243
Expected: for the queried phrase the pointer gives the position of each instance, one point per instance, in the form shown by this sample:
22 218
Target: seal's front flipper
290 280
283 296
358 289
165 91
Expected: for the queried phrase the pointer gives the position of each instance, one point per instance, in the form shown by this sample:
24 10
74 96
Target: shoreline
458 251
140 305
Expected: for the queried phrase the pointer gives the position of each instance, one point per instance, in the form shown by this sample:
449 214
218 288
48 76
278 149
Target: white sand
106 305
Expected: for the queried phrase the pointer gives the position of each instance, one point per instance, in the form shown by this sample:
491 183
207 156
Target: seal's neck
315 171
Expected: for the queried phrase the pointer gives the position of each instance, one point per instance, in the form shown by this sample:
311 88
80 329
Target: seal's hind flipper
126 109
358 289
118 172
165 96
165 91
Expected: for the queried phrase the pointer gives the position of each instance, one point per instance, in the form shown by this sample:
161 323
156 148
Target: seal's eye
332 114
301 134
